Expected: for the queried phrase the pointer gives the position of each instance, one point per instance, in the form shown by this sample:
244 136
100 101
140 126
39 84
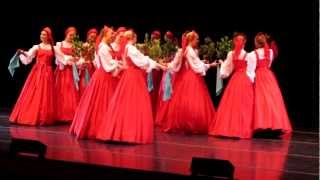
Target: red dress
190 109
154 94
235 113
129 115
35 105
161 105
269 110
66 94
82 74
94 102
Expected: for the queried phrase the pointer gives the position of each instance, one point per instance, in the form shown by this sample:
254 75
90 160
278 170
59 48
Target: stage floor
262 159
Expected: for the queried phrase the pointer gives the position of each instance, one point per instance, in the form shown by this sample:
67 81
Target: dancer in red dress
235 113
156 76
96 97
116 43
35 105
269 109
165 83
190 109
85 64
66 93
129 116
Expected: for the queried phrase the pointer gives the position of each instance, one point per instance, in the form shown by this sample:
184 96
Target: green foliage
77 46
223 47
208 50
168 48
155 51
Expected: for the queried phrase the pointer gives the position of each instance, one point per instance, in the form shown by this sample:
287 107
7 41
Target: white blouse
194 61
140 60
175 64
260 52
227 66
61 58
104 58
115 46
28 56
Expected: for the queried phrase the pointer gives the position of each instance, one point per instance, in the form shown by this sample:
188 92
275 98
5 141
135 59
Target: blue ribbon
86 77
150 82
14 63
76 77
219 82
167 87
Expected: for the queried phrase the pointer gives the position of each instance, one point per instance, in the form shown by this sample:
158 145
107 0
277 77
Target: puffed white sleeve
271 57
27 57
141 60
175 64
107 63
196 64
60 57
227 66
251 66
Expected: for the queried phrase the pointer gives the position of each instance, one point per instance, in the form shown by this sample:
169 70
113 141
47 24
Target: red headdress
238 43
155 35
92 30
70 29
121 29
124 41
169 35
274 48
104 30
49 33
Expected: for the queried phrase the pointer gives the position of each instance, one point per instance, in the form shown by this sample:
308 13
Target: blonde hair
129 34
191 36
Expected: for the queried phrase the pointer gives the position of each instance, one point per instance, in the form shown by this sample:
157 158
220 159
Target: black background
294 25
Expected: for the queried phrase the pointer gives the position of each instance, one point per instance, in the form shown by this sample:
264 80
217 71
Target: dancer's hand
70 63
162 67
20 51
223 76
214 64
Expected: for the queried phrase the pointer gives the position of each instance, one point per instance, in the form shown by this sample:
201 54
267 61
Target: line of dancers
116 105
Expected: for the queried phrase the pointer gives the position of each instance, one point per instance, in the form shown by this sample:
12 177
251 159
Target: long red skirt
93 104
129 115
234 117
269 110
67 96
190 109
35 105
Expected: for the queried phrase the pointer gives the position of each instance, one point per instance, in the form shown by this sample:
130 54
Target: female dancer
269 109
129 116
35 104
95 100
85 64
190 109
235 113
66 92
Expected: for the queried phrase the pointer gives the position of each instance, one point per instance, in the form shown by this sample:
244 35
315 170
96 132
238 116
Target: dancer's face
44 36
92 37
134 38
119 36
70 36
195 41
110 36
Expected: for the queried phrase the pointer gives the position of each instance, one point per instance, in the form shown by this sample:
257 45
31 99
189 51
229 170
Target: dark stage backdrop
295 28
